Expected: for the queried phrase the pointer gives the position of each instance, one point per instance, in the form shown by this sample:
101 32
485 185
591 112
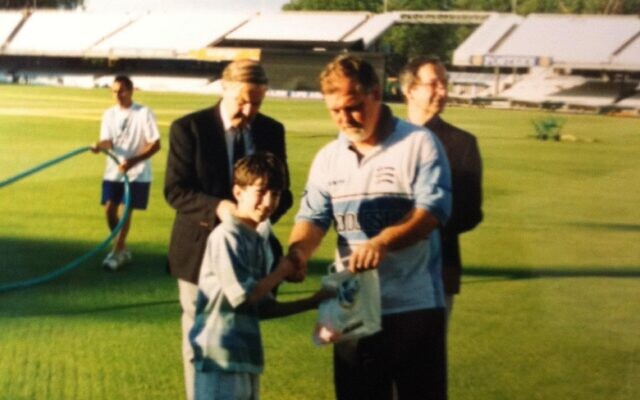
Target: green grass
550 301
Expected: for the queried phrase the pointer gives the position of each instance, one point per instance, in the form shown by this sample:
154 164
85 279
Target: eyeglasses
434 84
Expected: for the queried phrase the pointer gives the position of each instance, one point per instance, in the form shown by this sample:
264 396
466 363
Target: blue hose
78 261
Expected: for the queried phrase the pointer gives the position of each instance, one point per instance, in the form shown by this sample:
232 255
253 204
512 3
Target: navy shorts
114 192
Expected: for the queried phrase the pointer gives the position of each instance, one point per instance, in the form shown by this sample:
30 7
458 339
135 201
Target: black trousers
409 353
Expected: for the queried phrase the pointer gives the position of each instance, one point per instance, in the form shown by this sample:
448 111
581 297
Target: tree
20 4
334 5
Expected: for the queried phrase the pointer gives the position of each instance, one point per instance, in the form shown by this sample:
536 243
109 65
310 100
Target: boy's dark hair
261 165
125 81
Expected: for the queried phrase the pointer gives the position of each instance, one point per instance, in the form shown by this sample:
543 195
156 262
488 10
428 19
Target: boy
234 287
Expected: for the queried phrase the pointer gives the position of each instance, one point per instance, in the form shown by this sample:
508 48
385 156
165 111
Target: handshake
293 266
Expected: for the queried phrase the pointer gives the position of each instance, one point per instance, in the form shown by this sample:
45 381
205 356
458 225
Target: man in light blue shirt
385 184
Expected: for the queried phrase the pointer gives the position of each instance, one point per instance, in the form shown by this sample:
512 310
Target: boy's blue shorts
114 191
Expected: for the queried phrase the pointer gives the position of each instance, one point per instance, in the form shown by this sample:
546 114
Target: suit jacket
466 178
197 178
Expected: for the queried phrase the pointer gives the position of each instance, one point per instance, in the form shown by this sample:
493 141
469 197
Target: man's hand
125 166
101 145
367 256
286 267
296 258
225 209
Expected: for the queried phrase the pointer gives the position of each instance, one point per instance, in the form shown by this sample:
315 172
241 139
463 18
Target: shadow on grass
609 226
89 289
513 273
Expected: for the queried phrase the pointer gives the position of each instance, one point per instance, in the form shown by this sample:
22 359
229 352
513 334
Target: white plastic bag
354 312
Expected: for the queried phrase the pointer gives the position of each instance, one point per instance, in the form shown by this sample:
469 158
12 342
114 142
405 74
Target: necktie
238 147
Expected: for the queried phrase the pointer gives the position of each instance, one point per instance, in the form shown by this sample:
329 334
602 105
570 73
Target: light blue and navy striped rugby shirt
362 197
226 331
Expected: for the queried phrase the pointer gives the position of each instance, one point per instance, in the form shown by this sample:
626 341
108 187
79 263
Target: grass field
550 305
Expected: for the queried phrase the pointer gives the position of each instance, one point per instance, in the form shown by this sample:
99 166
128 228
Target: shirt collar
226 121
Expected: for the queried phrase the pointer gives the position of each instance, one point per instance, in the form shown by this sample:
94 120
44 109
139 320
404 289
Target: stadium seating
539 86
470 85
631 102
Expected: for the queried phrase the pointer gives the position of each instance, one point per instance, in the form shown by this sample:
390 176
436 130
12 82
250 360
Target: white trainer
115 260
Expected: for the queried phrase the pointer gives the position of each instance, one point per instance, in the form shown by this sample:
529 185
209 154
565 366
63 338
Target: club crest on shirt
385 175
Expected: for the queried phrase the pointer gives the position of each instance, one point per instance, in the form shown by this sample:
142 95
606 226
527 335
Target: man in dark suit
424 84
198 181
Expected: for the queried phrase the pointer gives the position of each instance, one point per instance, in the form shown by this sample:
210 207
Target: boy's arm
269 282
271 308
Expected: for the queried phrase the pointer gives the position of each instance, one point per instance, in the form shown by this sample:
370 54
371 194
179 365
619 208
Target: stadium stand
554 61
539 85
591 94
631 103
567 62
470 85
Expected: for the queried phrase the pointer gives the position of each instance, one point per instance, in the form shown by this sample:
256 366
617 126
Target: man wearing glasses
424 84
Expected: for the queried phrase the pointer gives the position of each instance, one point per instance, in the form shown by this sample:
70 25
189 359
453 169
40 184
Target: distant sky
263 6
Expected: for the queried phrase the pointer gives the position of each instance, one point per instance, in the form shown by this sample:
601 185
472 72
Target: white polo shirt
130 130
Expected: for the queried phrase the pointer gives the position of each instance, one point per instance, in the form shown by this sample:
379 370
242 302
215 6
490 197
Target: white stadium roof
575 41
171 32
372 29
629 54
64 33
8 22
310 27
570 39
485 37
